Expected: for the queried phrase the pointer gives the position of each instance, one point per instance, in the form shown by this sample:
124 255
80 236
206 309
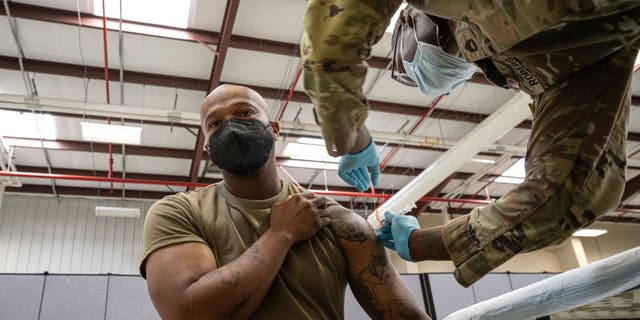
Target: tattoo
253 255
349 230
374 283
227 276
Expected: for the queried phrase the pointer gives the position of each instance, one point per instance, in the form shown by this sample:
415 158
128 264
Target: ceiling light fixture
481 160
110 133
589 233
174 13
116 212
308 151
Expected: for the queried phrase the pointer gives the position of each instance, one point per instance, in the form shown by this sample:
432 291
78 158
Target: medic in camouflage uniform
575 59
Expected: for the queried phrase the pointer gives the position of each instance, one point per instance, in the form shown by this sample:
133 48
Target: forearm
427 244
235 290
380 290
337 40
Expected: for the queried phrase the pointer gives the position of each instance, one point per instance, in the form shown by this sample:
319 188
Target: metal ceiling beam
73 70
224 38
162 152
31 12
132 175
40 13
90 192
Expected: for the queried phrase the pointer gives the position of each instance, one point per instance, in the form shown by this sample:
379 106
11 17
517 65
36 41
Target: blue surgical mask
437 72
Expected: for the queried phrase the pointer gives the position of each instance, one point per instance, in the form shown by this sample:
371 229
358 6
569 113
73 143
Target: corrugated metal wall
39 234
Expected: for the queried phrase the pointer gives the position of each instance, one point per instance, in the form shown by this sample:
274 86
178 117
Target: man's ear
276 129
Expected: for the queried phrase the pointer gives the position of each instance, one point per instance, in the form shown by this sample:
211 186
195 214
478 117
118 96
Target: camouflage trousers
575 167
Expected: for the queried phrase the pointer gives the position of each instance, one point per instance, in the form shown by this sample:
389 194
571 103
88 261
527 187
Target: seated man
254 246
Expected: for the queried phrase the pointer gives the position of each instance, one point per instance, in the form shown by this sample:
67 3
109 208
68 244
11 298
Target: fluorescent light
314 141
589 232
510 180
637 61
23 125
173 13
101 132
514 174
395 18
481 160
309 164
117 212
303 151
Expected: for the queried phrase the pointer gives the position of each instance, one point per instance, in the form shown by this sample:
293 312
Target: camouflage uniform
575 59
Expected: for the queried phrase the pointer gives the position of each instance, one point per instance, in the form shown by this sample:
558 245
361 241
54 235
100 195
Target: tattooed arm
185 281
373 280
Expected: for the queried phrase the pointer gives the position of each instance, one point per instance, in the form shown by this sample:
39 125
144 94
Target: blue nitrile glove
353 167
396 232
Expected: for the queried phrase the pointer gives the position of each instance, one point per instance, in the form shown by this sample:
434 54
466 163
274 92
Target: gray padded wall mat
448 295
491 285
128 299
76 297
20 296
519 280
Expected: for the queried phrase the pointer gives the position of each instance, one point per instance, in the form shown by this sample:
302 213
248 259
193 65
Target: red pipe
199 184
426 114
291 91
106 81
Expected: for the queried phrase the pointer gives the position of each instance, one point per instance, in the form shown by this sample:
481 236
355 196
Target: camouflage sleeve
338 38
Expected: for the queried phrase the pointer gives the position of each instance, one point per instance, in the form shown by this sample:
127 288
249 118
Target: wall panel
44 234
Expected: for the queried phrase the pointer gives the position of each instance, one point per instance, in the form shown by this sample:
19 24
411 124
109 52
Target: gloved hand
396 232
353 167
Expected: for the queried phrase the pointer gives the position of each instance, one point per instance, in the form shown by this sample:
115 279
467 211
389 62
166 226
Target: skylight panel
23 125
174 13
308 151
514 174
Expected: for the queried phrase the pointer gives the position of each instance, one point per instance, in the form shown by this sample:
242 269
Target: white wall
39 234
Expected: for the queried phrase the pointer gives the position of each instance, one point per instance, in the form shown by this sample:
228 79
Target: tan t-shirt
312 280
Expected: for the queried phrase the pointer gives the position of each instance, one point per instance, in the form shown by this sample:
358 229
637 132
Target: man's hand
300 216
354 168
396 232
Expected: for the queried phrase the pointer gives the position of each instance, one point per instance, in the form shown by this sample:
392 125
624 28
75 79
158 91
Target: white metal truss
49 105
513 112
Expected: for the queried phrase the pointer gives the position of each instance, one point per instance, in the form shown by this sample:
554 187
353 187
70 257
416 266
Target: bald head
231 101
226 93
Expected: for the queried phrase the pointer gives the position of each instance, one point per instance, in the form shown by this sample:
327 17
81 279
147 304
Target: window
174 13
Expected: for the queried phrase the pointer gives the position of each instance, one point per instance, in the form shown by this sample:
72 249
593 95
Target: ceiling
169 69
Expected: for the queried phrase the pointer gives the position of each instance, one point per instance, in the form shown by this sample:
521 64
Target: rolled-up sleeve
337 40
